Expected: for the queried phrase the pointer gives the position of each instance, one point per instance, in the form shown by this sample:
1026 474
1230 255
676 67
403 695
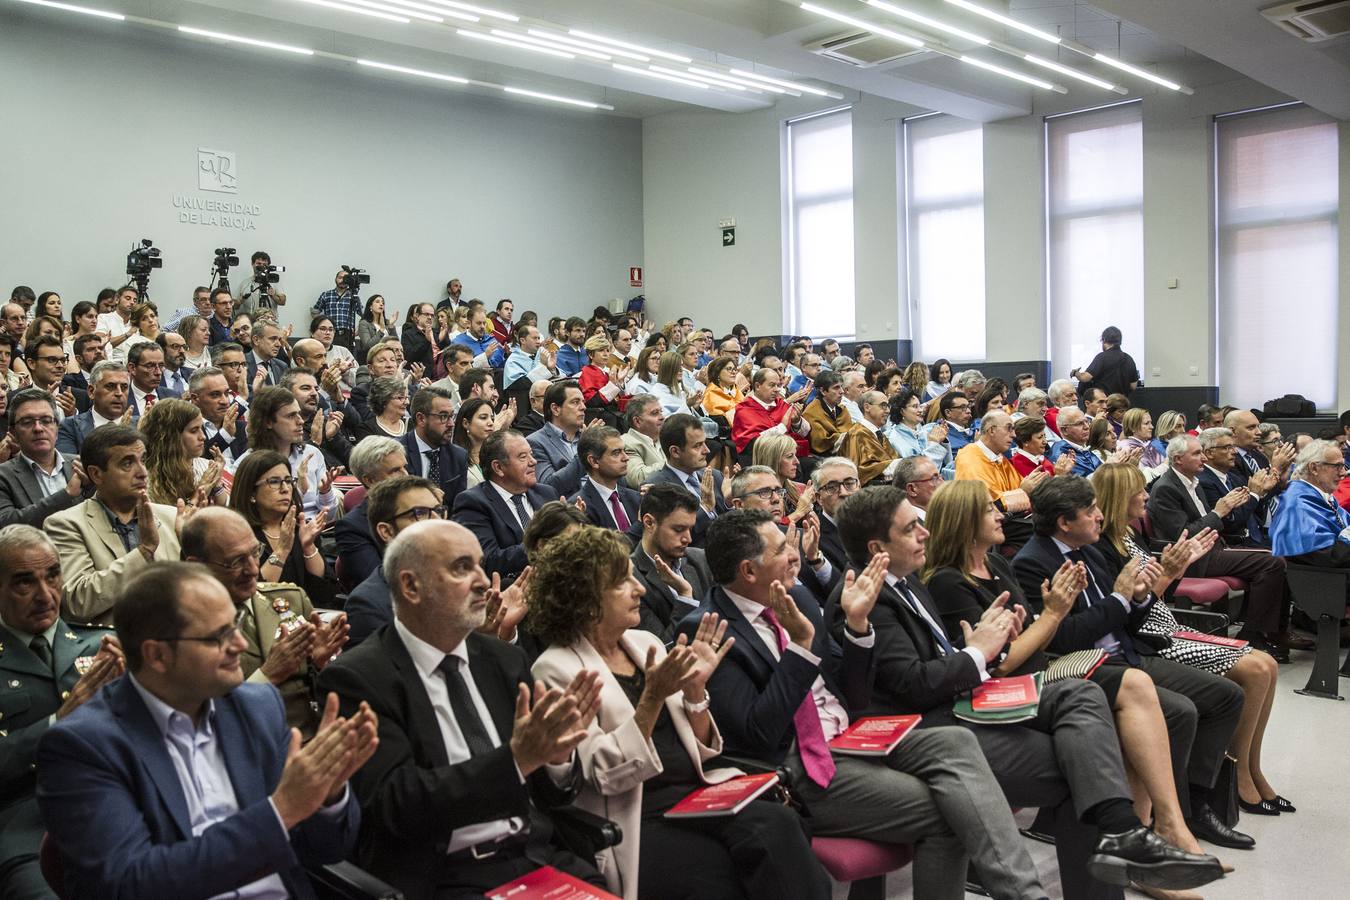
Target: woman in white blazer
647 747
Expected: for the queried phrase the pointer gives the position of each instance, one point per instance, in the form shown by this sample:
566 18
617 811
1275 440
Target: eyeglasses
767 493
231 365
286 482
442 416
222 638
54 360
422 513
29 422
239 563
834 487
149 365
1338 466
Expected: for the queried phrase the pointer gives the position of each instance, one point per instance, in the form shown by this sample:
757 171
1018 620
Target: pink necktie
620 517
811 744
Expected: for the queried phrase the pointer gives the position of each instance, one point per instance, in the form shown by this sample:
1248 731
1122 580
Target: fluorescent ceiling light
1072 73
83 10
252 42
404 70
929 23
358 10
519 45
729 85
593 54
687 82
573 42
782 82
436 11
479 10
576 32
556 99
1134 70
757 87
1009 73
1005 20
396 10
871 27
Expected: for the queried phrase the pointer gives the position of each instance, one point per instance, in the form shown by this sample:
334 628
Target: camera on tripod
140 261
220 267
268 274
355 277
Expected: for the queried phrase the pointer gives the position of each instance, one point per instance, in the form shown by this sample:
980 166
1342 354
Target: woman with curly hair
647 747
174 465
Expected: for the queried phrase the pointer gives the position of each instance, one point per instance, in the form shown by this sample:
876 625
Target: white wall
102 129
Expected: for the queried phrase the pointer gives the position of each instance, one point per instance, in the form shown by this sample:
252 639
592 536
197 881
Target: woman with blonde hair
668 385
602 392
1170 424
779 453
648 746
174 466
196 333
966 575
1121 495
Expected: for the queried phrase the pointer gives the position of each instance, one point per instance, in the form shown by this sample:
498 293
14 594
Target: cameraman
342 307
259 293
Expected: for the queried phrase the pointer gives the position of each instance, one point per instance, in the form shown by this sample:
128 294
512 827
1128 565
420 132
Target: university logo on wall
217 170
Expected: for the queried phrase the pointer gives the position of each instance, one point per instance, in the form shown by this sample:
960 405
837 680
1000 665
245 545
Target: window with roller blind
944 235
819 217
1095 232
1276 279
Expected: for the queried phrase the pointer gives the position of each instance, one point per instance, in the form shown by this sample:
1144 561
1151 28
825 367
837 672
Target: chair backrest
353 498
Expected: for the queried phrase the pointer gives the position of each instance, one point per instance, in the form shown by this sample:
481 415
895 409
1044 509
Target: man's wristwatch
814 563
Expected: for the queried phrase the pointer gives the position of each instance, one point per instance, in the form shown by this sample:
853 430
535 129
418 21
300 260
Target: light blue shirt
520 364
914 442
481 346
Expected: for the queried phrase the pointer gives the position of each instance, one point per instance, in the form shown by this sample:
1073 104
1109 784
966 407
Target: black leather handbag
1223 799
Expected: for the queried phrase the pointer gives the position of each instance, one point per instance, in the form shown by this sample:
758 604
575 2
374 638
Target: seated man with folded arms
1309 527
642 440
674 574
197 785
288 643
826 414
109 388
984 459
39 480
116 532
373 460
470 755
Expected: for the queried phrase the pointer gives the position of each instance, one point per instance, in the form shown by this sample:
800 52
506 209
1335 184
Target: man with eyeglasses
39 480
223 423
145 365
835 480
115 533
51 670
954 408
864 443
759 488
428 444
1309 527
1219 477
176 371
919 477
265 352
373 460
46 358
229 358
391 506
1254 462
288 643
222 315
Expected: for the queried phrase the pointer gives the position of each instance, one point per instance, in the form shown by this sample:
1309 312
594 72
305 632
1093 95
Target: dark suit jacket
76 379
831 544
21 500
1171 509
454 465
661 612
412 797
161 393
667 475
368 608
482 510
1238 522
754 696
72 431
529 421
276 365
356 547
108 759
600 514
166 380
220 440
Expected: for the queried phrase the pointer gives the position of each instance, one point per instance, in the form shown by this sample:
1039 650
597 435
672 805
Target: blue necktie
913 602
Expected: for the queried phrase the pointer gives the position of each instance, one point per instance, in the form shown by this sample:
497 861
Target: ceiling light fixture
573 42
508 42
478 10
556 99
1005 20
440 13
687 82
755 86
871 27
395 10
1073 73
82 10
404 70
252 42
928 23
1009 73
586 35
1138 72
784 83
342 7
593 54
729 85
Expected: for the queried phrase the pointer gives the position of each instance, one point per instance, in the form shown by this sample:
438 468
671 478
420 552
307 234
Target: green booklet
1001 701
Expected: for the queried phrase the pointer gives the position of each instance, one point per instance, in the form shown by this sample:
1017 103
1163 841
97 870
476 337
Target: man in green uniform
46 671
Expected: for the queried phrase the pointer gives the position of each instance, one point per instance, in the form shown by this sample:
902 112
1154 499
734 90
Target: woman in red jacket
1029 454
602 393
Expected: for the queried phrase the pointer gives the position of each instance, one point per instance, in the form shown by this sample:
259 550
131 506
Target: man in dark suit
786 688
267 340
391 506
176 371
88 352
111 388
1176 504
1201 710
555 444
1221 476
609 502
1066 759
686 447
223 423
530 411
238 817
428 446
145 364
498 510
1251 463
455 794
757 487
374 460
38 481
835 480
47 670
675 575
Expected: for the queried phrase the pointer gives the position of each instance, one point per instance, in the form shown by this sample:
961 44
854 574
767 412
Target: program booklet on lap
874 735
723 799
548 884
1218 640
1001 701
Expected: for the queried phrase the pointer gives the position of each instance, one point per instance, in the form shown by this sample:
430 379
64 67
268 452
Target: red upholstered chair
861 864
353 498
1202 591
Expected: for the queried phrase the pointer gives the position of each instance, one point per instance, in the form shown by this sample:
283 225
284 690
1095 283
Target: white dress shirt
1192 486
1106 642
507 495
981 664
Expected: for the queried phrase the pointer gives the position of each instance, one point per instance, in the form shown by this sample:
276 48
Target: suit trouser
935 791
1267 595
1068 756
21 879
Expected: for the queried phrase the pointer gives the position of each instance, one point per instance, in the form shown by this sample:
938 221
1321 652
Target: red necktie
620 517
811 744
149 401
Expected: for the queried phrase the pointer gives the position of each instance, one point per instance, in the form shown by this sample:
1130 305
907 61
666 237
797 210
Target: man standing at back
1113 370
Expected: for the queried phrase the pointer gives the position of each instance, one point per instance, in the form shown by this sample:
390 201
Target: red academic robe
752 419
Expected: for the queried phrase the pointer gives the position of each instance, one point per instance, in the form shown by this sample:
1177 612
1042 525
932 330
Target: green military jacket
271 606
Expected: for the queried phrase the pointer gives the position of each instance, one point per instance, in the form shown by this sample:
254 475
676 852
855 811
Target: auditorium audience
176 465
1102 439
1031 402
38 480
602 393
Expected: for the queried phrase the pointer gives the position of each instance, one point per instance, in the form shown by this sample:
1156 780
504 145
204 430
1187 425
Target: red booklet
548 884
875 735
724 799
1004 693
1235 643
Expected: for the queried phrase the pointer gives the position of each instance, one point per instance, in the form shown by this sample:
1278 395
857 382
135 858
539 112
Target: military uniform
271 606
29 695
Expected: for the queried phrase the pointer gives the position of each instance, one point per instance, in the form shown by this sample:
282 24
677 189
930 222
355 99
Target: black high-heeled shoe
1282 804
1264 808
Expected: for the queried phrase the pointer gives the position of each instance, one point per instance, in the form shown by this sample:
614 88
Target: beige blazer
644 457
94 564
615 757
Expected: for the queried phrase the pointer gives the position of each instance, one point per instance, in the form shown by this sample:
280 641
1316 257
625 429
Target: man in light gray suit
555 445
38 481
642 439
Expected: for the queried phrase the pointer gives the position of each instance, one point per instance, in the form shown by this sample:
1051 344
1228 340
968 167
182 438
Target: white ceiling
1175 38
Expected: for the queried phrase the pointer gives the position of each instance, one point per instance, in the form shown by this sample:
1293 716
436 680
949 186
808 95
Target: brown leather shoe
1290 641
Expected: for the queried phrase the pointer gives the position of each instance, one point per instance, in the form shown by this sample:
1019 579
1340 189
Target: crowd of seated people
405 597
